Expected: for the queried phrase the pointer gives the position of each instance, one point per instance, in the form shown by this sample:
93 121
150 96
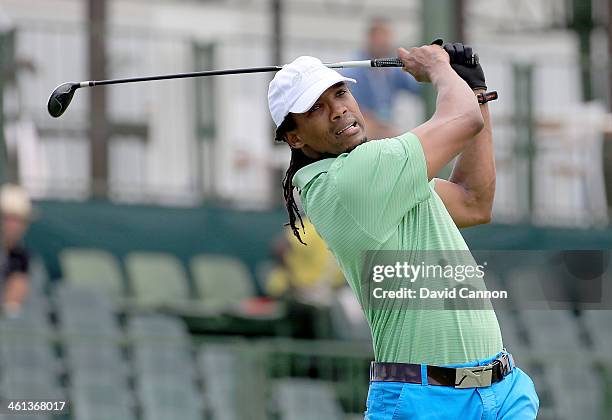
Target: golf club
62 95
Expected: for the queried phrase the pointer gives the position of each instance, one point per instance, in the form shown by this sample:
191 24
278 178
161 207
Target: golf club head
60 98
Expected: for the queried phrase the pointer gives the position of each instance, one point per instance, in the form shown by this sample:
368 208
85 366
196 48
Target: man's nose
338 110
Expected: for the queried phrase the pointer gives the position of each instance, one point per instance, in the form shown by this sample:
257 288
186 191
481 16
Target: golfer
378 195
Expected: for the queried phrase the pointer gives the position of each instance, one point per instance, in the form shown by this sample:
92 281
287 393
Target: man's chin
356 145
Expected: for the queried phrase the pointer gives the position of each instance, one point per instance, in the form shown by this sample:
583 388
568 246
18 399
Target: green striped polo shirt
378 198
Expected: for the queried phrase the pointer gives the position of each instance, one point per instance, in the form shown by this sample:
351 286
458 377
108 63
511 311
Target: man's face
333 125
13 229
380 41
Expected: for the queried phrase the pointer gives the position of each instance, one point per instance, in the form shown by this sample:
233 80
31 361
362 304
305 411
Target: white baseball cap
297 86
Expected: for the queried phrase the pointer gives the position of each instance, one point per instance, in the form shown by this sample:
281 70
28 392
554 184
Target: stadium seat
35 312
233 382
553 330
597 323
161 402
347 318
83 410
161 348
157 325
92 268
524 288
548 409
157 279
36 307
577 389
22 382
94 354
24 343
82 310
100 397
163 363
222 281
306 399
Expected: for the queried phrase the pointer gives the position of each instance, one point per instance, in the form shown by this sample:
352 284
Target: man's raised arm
457 118
468 194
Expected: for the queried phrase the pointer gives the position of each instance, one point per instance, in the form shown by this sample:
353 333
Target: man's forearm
474 168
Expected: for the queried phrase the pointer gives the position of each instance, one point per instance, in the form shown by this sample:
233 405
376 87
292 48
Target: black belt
468 377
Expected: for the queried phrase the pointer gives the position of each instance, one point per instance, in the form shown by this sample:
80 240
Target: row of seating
545 345
136 367
159 279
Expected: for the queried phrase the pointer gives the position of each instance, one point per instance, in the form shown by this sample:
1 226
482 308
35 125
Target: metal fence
186 142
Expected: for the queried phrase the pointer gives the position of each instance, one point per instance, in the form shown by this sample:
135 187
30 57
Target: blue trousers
513 398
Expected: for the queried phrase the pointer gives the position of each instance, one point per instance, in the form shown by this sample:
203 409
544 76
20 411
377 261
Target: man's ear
294 139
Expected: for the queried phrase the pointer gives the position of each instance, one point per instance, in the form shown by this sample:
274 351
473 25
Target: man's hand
460 55
423 62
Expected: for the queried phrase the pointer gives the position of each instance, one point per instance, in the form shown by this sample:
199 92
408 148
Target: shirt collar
308 172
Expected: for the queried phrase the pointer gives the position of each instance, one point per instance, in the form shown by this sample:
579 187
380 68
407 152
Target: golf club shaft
92 83
383 62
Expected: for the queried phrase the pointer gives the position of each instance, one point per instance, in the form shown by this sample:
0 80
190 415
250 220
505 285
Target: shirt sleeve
379 182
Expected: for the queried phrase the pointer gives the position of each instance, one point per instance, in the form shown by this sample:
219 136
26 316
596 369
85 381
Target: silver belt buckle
473 377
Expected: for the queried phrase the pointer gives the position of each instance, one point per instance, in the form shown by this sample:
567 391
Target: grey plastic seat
159 401
306 399
553 330
100 396
234 382
221 280
577 389
161 347
159 331
157 326
34 314
25 343
25 382
84 410
157 279
24 354
85 312
81 297
165 364
92 268
348 320
598 324
101 356
37 308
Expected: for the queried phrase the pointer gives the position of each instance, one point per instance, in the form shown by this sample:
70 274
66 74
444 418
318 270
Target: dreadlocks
298 161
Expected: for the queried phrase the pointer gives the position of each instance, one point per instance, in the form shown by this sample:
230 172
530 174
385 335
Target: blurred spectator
307 273
376 89
16 210
307 278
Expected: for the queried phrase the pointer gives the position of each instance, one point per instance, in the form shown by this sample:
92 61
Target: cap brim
308 98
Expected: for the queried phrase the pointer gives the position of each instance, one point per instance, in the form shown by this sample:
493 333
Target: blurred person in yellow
16 210
307 273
